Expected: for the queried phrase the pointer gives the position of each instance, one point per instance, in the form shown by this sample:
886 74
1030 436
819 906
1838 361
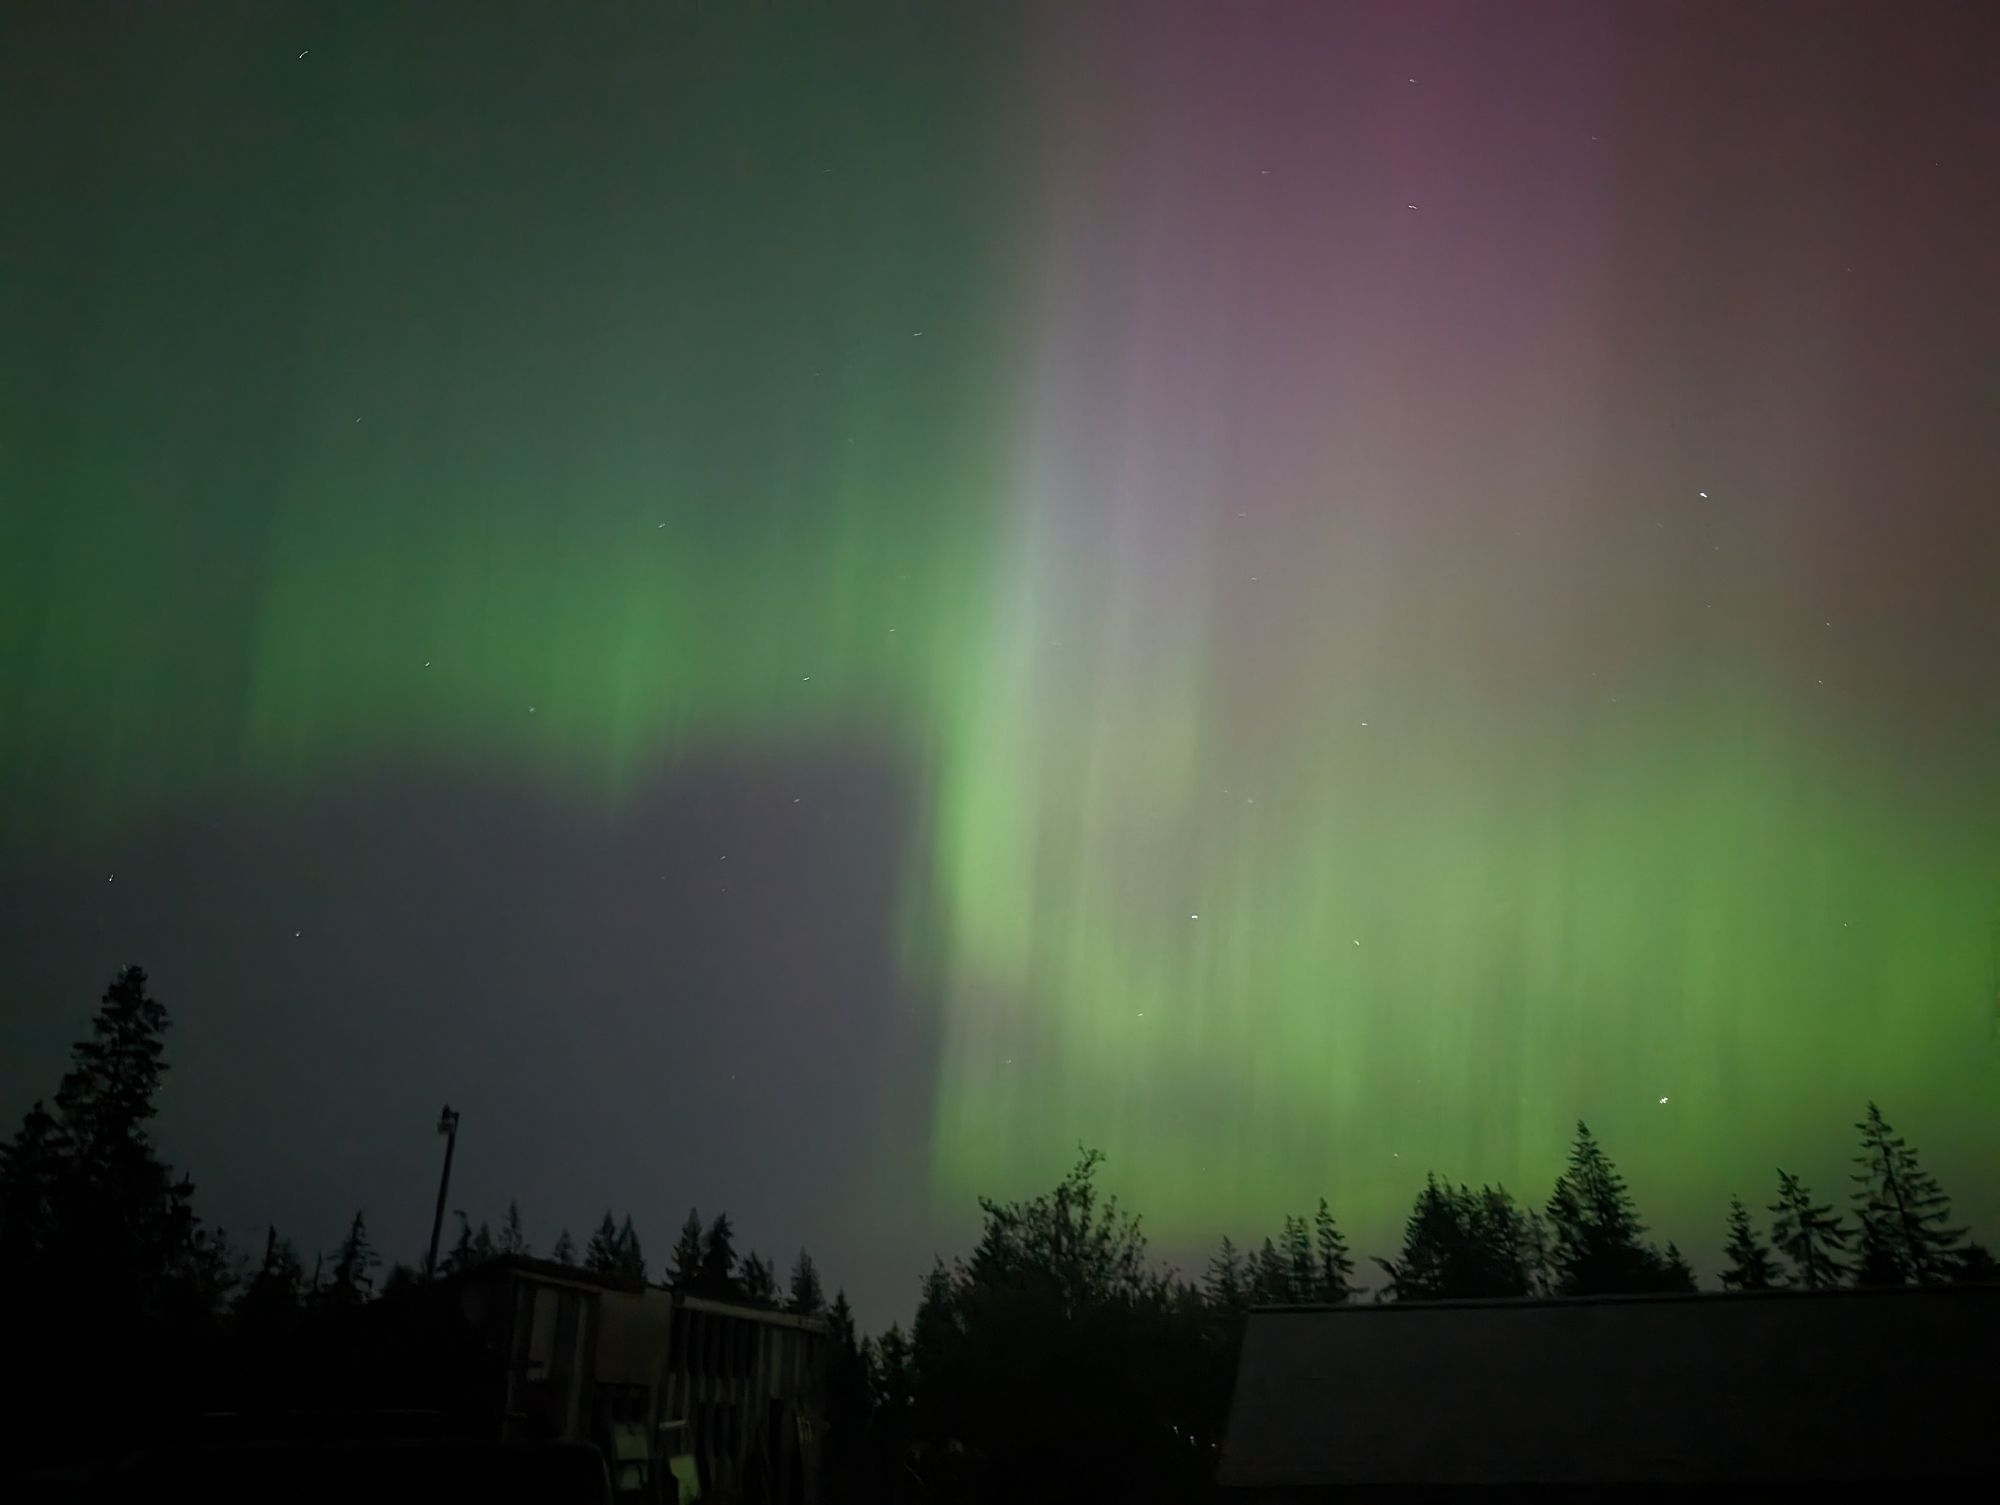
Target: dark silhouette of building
667 1384
1753 1393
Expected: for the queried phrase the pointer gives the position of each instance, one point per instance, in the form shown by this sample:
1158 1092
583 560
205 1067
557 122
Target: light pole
447 1126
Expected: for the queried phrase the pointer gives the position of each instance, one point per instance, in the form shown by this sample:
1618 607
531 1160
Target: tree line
1055 1350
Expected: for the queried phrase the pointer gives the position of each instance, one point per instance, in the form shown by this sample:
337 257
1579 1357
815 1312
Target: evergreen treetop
1905 1216
1810 1235
1750 1267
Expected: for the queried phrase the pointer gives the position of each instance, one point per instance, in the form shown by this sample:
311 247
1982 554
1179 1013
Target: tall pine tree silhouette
1336 1265
1226 1285
1461 1244
513 1240
1751 1267
1599 1248
1301 1266
87 1200
1270 1276
1906 1237
718 1259
684 1264
353 1268
759 1280
1809 1234
603 1255
805 1298
631 1258
1432 1235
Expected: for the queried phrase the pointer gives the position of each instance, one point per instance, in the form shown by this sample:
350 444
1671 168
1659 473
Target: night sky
799 609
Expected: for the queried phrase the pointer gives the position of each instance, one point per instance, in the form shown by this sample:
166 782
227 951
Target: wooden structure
670 1386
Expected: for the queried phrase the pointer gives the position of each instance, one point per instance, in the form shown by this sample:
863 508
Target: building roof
573 1275
1711 1389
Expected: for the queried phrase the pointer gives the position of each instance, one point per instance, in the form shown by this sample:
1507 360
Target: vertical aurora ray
1384 753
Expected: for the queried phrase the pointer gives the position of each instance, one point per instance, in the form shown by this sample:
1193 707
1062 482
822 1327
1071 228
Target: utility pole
447 1126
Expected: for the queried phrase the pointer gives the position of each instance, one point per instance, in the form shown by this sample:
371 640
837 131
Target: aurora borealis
1421 570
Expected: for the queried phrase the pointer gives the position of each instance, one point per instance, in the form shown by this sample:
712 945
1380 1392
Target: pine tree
937 1346
564 1252
847 1391
1270 1277
718 1259
353 1278
85 1200
1432 1235
631 1258
512 1239
1599 1248
1301 1267
603 1256
1676 1274
1877 1257
483 1246
1336 1265
893 1373
684 1269
1460 1244
277 1291
34 1167
840 1321
1976 1266
1751 1267
1226 1284
1505 1248
806 1298
1904 1213
1810 1235
759 1281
